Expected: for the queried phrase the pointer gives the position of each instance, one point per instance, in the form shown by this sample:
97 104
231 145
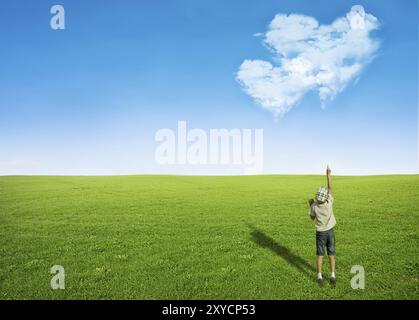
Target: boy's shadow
265 241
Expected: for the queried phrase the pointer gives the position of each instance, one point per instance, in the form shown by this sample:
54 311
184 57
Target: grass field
173 237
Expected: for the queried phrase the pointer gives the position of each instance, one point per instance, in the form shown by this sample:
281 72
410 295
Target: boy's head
322 194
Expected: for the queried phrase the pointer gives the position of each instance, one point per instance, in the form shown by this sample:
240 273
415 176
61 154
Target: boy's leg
331 253
332 269
319 262
332 264
320 243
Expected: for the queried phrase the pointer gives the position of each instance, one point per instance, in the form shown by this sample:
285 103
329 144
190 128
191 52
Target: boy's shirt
325 219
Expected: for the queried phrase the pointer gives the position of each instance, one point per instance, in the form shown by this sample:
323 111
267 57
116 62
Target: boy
321 212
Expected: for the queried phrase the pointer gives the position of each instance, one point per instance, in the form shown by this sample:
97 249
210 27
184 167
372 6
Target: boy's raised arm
329 179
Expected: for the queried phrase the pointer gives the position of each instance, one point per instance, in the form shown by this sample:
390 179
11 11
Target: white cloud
309 56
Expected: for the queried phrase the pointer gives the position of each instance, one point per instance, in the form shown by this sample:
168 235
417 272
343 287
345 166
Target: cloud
309 56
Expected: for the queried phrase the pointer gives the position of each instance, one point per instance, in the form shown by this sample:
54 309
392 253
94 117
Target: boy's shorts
325 238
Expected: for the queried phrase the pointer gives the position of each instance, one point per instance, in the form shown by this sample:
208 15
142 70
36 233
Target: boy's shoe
320 282
333 281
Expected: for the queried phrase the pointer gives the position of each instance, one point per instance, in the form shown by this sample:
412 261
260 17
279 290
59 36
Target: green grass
172 237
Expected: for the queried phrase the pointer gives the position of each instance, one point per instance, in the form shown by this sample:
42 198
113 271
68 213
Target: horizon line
205 175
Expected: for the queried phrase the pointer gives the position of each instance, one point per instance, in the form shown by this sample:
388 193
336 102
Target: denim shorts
325 238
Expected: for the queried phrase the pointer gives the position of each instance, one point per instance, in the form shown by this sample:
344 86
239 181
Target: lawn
179 237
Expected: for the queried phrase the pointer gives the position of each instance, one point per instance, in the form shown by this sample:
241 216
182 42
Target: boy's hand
328 171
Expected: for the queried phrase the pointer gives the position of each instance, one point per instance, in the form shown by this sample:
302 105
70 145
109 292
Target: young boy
321 212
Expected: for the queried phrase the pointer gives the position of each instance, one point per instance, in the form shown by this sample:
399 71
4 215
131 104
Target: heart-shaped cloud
310 57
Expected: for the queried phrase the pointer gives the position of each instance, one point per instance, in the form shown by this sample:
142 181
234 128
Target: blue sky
89 99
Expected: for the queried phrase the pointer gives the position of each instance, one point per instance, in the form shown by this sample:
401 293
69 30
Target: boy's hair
322 194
